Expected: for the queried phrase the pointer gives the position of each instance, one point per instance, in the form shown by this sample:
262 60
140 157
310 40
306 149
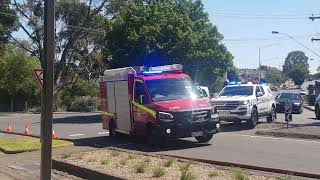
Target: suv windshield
290 96
237 91
169 89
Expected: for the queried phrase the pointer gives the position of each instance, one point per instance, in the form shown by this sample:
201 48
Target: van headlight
164 116
214 113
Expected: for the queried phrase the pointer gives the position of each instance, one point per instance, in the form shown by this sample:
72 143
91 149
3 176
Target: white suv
245 102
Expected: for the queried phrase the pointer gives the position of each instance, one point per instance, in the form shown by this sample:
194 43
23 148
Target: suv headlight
163 116
244 102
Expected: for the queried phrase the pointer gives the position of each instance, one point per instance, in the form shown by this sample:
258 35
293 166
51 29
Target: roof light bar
152 72
173 67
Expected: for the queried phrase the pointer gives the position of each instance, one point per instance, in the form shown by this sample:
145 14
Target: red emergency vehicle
159 103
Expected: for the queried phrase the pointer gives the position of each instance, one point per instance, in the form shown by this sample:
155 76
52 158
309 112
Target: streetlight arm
276 32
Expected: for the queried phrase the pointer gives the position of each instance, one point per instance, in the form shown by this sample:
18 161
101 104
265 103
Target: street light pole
259 64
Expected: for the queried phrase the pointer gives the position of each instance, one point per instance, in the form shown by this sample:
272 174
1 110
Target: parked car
294 98
317 107
245 102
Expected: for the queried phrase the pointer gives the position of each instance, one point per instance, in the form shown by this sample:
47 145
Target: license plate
196 134
224 113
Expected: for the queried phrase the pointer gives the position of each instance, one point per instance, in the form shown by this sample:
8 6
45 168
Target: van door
264 101
140 110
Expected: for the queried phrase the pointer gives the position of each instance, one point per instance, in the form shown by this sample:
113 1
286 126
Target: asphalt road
235 144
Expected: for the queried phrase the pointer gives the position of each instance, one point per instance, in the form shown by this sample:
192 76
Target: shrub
84 104
66 155
158 172
105 162
212 174
140 167
169 162
239 175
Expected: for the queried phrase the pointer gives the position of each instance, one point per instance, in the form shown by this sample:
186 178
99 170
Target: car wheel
272 116
317 112
204 139
253 121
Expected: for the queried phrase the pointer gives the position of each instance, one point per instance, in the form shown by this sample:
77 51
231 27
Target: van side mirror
259 94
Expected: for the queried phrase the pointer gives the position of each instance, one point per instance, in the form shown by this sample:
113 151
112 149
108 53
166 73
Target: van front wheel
204 139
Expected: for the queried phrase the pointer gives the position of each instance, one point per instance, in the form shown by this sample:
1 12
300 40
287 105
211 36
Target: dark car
294 98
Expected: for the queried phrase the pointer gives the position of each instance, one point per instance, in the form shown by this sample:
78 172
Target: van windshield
237 91
170 89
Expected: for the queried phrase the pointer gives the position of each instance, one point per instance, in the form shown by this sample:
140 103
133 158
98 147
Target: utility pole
47 94
259 64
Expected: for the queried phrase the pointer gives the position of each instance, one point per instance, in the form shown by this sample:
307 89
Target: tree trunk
11 104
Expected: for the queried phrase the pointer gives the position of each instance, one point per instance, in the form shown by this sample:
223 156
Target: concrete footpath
26 166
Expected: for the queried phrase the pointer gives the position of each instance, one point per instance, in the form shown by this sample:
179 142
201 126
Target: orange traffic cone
53 134
26 130
9 129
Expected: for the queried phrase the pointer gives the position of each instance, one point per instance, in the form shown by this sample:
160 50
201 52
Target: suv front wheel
272 116
253 121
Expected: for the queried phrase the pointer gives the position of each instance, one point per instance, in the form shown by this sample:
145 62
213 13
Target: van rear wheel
112 129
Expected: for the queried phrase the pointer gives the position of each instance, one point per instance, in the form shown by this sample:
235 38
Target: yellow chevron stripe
151 111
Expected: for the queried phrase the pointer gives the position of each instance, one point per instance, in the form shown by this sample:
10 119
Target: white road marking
285 139
107 132
73 135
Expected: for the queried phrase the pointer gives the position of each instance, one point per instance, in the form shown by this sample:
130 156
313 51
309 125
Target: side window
140 95
262 90
257 90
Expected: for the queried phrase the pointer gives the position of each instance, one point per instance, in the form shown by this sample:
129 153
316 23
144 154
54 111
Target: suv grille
226 105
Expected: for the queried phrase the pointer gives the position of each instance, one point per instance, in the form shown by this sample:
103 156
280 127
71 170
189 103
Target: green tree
8 21
296 66
275 76
16 74
166 32
78 23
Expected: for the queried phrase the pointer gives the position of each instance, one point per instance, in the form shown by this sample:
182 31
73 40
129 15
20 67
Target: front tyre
154 139
253 121
204 139
272 116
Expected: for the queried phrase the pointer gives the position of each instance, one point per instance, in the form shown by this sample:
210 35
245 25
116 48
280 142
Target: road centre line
73 135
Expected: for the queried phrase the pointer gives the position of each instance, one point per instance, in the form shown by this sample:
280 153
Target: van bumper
179 129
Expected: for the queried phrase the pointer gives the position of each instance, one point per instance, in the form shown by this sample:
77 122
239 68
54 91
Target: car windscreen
290 96
237 91
170 89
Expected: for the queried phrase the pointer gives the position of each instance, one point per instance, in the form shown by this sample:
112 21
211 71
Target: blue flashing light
152 72
232 83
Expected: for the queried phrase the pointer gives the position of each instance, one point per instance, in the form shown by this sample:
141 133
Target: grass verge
25 144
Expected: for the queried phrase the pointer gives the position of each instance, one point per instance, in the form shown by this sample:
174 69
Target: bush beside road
130 165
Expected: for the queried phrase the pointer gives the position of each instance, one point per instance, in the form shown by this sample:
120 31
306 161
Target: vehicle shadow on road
78 119
231 127
137 143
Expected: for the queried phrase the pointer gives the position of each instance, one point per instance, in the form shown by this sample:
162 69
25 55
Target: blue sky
247 24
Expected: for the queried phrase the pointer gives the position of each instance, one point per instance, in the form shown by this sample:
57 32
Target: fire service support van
159 103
